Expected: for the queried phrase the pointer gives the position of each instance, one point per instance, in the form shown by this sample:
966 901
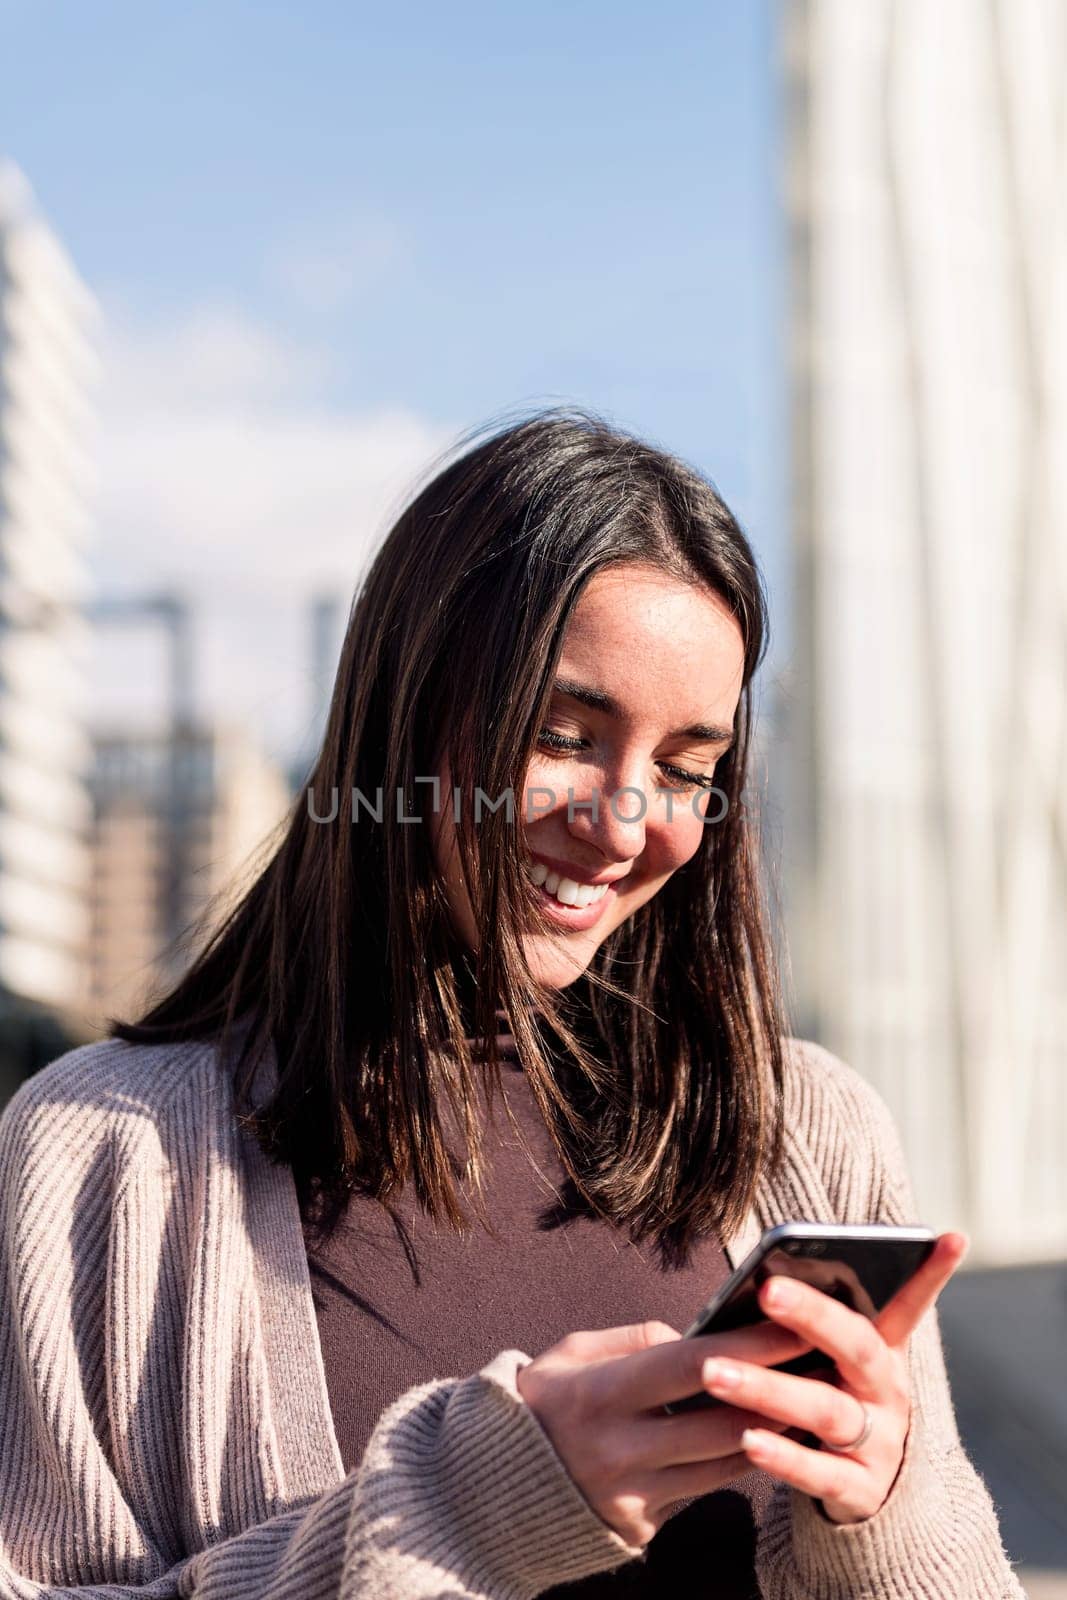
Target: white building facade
925 790
47 366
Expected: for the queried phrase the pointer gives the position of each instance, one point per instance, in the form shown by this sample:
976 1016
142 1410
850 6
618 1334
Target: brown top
392 1315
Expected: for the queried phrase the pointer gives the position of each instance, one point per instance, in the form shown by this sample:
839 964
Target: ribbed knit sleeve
467 1467
140 1453
936 1536
459 1494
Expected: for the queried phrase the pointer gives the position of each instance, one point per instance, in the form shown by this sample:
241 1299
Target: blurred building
46 368
925 792
177 815
327 620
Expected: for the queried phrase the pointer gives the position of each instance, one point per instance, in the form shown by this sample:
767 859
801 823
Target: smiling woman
622 744
291 1233
554 554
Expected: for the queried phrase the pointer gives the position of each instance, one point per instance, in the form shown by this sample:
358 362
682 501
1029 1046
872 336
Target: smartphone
861 1264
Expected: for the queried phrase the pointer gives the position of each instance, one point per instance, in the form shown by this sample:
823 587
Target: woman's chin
558 962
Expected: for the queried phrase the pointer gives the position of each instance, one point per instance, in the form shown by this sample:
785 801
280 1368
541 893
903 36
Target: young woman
356 1266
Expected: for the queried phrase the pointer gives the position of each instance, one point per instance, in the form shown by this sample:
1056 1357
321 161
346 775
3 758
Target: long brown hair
659 1070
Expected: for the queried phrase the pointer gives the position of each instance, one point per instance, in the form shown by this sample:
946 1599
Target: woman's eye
559 741
690 780
682 778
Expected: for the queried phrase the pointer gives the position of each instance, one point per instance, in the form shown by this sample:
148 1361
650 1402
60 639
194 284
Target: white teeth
566 890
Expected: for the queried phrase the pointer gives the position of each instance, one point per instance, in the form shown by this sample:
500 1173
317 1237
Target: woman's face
647 687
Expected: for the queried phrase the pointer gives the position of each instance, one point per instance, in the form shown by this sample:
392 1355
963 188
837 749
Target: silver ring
861 1437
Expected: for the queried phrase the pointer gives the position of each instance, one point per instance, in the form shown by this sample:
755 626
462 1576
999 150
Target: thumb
605 1344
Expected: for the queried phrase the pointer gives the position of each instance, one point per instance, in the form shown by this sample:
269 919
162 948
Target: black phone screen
863 1273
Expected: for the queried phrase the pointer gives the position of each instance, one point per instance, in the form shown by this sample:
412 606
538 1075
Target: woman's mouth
569 903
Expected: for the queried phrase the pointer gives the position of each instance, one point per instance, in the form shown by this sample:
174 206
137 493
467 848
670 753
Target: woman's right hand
599 1397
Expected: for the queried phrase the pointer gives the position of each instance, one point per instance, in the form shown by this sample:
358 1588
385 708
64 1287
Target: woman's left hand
872 1372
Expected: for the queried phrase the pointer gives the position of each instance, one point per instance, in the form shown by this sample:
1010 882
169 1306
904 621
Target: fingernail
780 1292
757 1443
719 1374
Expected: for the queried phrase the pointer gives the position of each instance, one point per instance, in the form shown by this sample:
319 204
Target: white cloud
212 356
225 472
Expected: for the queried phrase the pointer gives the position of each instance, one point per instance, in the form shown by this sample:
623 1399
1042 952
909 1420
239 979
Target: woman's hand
872 1368
599 1396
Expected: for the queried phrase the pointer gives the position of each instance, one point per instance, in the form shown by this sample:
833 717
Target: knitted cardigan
165 1419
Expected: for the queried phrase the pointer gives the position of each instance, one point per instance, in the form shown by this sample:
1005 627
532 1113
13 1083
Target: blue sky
330 237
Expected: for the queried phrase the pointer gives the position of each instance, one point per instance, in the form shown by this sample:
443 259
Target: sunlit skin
669 656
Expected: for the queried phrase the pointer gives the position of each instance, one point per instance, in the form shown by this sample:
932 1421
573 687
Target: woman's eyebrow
600 700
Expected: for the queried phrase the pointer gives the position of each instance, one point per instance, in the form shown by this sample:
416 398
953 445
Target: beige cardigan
166 1425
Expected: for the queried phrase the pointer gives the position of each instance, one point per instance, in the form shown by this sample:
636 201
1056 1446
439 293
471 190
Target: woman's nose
612 816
